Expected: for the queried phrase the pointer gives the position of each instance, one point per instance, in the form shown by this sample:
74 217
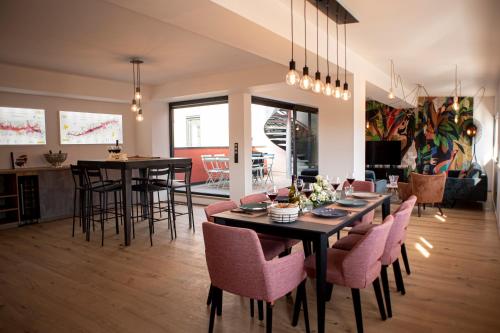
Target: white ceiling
96 38
426 38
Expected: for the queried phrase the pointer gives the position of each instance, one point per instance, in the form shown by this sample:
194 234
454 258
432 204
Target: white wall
52 106
484 113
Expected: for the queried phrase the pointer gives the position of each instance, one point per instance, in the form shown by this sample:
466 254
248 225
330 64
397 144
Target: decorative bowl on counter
284 212
56 159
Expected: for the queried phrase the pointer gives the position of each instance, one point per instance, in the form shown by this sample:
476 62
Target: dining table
309 228
126 166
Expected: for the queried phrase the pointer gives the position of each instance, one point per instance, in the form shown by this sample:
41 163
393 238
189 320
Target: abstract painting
90 128
19 126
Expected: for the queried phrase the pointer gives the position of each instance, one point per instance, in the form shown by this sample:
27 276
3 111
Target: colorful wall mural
432 136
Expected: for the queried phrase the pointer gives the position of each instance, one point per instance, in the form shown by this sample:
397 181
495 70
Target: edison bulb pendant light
133 107
328 87
391 94
306 81
337 93
346 94
138 93
292 77
456 106
139 116
318 85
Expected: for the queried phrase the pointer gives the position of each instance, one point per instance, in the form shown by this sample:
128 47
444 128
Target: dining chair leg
397 269
115 197
159 202
304 306
418 210
396 278
328 292
215 300
385 287
356 301
440 209
380 299
219 303
405 259
260 307
74 212
151 218
296 307
269 317
209 297
252 311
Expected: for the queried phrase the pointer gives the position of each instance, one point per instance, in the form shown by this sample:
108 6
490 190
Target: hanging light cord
305 35
317 37
327 47
345 50
337 28
291 20
133 77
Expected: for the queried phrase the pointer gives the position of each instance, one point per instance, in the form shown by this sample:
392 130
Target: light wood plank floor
50 282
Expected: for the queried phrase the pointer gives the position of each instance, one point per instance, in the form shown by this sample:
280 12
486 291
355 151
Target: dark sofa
472 187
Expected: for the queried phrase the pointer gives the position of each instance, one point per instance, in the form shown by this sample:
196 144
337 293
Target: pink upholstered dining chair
392 250
260 197
253 198
271 247
236 264
282 192
358 266
362 229
363 186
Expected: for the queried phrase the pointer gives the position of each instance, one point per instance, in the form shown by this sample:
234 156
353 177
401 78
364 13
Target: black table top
135 163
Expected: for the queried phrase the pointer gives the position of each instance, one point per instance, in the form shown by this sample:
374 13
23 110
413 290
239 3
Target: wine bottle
292 192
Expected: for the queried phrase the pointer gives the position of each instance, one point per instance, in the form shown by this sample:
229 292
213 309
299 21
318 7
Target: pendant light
346 94
136 101
292 77
336 92
391 93
328 88
456 106
318 84
306 81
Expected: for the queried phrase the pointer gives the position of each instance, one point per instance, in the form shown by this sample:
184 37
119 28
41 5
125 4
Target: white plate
365 195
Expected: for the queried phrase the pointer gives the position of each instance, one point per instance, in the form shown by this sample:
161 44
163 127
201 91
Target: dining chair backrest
76 172
361 185
362 264
253 198
428 188
219 207
282 192
397 233
408 203
235 259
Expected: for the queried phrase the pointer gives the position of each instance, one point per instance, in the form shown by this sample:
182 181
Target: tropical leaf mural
434 130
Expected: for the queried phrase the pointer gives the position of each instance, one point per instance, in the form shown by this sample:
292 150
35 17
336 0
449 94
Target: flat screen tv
20 126
383 152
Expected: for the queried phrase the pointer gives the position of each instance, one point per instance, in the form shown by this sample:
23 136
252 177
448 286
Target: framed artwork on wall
22 126
90 128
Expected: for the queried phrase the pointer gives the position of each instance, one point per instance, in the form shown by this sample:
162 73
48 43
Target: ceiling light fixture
306 80
391 93
136 101
318 84
346 94
336 92
292 77
328 88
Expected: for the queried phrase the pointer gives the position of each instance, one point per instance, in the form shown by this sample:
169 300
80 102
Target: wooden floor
50 282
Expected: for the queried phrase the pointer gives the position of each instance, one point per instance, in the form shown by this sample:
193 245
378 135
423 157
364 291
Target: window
193 137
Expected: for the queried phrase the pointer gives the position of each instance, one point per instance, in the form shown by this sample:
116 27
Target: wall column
240 132
359 114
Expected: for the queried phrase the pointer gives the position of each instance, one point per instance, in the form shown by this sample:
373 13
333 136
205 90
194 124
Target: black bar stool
182 184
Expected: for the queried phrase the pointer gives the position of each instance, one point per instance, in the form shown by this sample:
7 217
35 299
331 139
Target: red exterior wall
198 174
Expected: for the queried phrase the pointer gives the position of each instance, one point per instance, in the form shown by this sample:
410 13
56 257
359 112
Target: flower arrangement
321 193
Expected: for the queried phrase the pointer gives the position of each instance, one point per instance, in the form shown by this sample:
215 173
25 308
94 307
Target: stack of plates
352 202
365 195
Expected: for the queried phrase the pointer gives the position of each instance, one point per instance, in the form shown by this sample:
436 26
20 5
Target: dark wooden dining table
126 168
308 228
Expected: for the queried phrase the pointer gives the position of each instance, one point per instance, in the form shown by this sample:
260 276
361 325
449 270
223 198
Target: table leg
386 207
143 195
321 246
127 203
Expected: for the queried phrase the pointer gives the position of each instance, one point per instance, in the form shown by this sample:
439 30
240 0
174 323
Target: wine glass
300 184
307 190
335 185
272 193
350 179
